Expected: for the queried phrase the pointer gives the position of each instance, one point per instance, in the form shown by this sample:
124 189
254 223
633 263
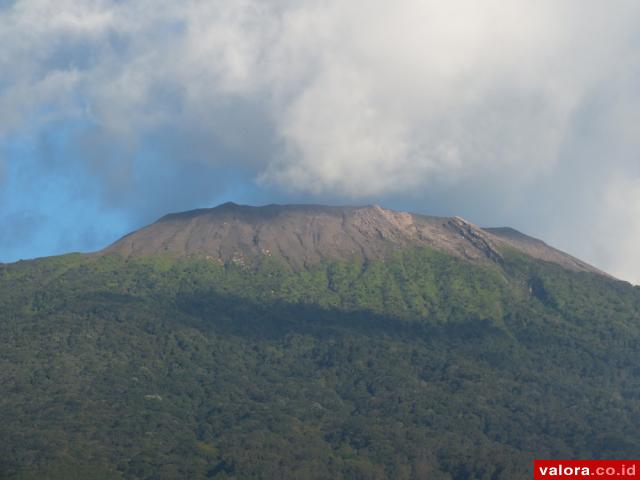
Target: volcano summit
305 235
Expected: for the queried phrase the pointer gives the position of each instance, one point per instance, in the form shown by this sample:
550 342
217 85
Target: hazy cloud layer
512 112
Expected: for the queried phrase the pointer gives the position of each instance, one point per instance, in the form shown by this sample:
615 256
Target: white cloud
618 228
360 98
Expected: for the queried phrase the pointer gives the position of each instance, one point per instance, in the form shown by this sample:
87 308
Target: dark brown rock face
303 235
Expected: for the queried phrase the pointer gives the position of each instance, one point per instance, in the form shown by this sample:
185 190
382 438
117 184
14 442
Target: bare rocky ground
304 235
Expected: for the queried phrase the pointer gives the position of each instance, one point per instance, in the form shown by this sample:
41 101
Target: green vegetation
424 366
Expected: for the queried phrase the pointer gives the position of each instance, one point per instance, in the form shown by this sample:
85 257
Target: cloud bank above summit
520 113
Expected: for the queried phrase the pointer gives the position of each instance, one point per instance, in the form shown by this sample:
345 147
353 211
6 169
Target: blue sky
508 113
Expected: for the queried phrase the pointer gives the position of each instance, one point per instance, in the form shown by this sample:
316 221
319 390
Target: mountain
311 342
305 235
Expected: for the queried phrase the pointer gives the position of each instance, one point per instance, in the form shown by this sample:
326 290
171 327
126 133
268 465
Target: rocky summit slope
304 235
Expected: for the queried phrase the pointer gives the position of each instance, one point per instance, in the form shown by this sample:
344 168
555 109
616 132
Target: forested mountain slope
422 363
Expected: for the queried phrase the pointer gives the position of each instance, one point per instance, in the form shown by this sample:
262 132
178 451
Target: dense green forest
420 367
